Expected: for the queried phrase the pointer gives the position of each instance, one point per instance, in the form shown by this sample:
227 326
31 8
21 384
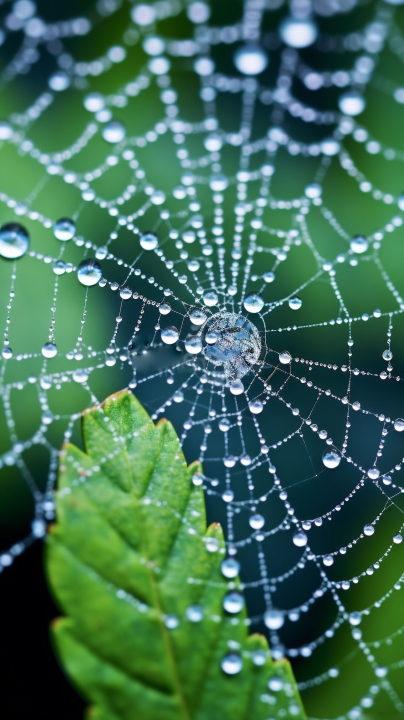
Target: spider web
251 184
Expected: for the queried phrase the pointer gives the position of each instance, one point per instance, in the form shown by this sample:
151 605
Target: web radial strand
221 231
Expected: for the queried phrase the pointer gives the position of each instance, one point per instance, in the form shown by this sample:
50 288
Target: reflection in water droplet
64 229
113 132
295 303
331 458
148 241
170 335
230 567
14 241
49 350
231 664
253 303
359 244
89 272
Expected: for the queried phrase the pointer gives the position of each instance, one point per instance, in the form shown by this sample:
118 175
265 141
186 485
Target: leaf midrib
155 592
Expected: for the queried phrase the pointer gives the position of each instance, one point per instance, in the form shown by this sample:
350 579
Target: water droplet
148 241
89 272
300 539
381 671
253 303
285 357
295 303
212 544
275 683
314 190
331 458
194 613
351 103
218 183
399 425
269 276
230 568
231 664
368 530
64 229
7 353
251 59
197 478
255 406
170 335
233 602
94 102
59 267
397 539
38 527
355 618
387 355
14 241
6 131
274 619
193 344
210 298
49 350
80 375
328 560
171 622
164 308
197 317
298 33
373 473
259 657
359 244
257 521
211 337
236 387
113 132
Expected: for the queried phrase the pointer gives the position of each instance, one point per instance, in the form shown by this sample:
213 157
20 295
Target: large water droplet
236 387
94 102
218 183
14 241
193 344
253 303
148 241
331 458
295 303
274 619
64 229
351 103
251 59
285 357
369 530
387 355
6 131
355 618
298 33
113 132
210 298
170 335
231 664
257 521
164 308
89 272
49 350
197 317
359 244
300 539
233 602
275 683
399 425
230 567
255 406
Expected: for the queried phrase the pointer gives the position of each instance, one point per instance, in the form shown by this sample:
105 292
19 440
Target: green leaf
128 557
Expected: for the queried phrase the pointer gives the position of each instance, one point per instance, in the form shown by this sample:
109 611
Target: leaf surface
132 565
